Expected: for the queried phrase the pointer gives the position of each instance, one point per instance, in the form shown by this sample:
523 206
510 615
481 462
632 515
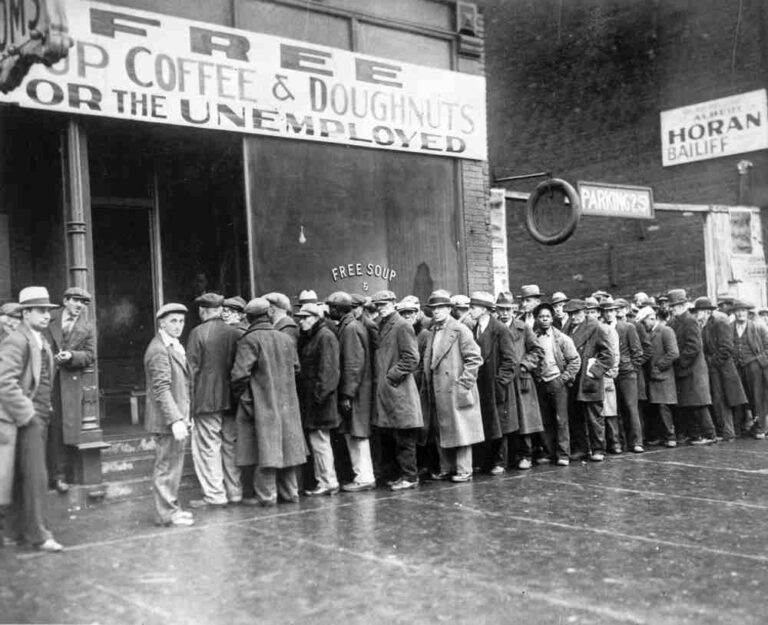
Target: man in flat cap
750 341
279 307
210 354
264 385
73 338
317 386
26 388
168 412
530 297
233 313
355 389
460 310
398 405
10 318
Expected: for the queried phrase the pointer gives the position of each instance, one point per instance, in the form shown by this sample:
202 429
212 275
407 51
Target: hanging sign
138 65
613 200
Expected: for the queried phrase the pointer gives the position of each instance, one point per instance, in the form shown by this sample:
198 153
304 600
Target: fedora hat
591 303
482 298
677 296
740 304
703 303
439 298
574 305
35 297
609 304
530 290
558 297
460 301
504 300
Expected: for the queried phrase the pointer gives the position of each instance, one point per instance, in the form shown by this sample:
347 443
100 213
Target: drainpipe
743 167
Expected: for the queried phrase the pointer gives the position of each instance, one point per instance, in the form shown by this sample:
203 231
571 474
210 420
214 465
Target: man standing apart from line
167 412
26 386
210 353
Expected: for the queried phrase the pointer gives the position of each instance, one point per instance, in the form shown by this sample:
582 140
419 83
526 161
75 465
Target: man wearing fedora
505 308
168 405
530 297
560 316
750 341
26 389
210 353
691 373
73 339
398 404
725 384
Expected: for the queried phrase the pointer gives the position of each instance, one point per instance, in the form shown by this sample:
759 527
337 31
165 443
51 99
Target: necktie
67 325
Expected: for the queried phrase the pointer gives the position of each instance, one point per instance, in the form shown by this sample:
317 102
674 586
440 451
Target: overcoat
210 353
642 370
521 410
661 373
610 401
591 342
717 339
450 377
691 372
69 384
319 378
169 387
356 382
494 378
396 358
269 432
288 326
20 366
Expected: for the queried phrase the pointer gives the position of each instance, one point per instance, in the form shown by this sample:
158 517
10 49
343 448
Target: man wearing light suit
168 412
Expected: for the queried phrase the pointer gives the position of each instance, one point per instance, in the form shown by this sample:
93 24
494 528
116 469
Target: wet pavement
669 536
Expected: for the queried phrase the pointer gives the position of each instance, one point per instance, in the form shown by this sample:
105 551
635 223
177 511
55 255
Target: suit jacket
691 372
591 341
168 387
210 353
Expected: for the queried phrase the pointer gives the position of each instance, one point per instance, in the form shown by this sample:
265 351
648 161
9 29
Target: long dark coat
211 350
398 404
521 410
691 372
70 383
318 379
356 383
642 370
288 326
169 387
450 380
661 373
495 376
269 432
592 343
717 339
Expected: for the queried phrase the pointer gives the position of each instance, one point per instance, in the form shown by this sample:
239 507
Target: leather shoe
202 503
439 477
50 546
461 477
321 490
563 462
403 484
524 464
597 457
356 487
498 470
61 486
250 501
178 520
638 449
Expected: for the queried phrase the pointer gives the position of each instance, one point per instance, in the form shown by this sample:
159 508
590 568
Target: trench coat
691 372
20 367
210 353
356 382
70 384
319 378
591 341
169 387
398 404
661 373
450 378
494 378
522 412
269 432
717 340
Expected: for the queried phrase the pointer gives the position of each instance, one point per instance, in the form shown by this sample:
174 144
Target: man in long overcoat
317 385
279 306
750 341
264 386
167 415
398 405
355 389
494 380
451 360
691 372
725 384
661 387
73 340
591 342
210 353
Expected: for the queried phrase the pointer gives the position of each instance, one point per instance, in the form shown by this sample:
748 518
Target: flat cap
75 292
235 303
307 297
257 306
311 309
358 299
409 302
558 297
278 300
339 298
574 305
167 309
644 313
11 309
482 298
383 296
209 300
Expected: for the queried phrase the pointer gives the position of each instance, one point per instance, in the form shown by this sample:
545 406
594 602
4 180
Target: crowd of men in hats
389 393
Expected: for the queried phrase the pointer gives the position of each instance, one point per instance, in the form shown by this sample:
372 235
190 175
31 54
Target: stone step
127 446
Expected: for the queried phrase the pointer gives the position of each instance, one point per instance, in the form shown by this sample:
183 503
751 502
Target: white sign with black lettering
138 65
716 128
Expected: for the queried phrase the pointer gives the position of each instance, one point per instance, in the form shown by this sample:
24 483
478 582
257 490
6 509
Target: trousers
213 454
166 476
270 483
31 483
322 458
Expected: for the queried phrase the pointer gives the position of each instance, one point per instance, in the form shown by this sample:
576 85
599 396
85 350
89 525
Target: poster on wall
137 65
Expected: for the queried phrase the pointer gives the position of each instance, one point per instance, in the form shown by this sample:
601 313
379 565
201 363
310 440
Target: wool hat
311 309
257 306
409 302
75 292
278 300
209 300
167 309
530 290
380 297
575 305
703 303
644 312
505 299
35 297
482 298
11 309
438 298
677 296
339 298
558 297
